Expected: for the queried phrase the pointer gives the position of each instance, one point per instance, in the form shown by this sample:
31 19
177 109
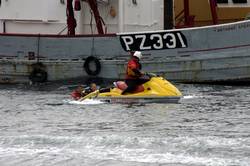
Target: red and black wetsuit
76 95
133 75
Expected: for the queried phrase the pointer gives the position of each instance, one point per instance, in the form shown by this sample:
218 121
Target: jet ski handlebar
150 75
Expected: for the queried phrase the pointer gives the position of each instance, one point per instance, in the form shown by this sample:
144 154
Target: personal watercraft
156 90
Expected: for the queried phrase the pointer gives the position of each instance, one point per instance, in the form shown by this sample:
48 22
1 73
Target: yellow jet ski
156 90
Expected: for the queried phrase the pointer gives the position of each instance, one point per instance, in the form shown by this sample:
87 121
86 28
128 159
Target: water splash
85 102
188 97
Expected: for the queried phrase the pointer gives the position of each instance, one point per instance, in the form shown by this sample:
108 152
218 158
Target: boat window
239 1
222 1
134 2
234 1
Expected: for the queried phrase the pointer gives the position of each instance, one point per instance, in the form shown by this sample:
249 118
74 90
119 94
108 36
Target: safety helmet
138 54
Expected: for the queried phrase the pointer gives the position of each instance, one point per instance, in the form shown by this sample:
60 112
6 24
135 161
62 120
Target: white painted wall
42 10
146 15
1 26
49 16
34 27
33 16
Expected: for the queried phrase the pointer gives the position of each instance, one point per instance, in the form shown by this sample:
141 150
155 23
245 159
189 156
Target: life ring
88 61
38 76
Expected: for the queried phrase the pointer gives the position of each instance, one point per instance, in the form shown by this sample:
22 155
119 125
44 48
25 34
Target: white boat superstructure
49 16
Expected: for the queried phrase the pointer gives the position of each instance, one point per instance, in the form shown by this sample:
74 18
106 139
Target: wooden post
168 14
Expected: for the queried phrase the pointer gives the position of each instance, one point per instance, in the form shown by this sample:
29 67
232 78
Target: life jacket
132 66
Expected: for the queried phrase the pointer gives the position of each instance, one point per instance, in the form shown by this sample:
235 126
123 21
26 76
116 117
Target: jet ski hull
131 100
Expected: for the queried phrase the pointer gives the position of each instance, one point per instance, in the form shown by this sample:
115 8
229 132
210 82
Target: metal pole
186 11
168 14
98 19
4 26
213 5
71 21
121 16
38 47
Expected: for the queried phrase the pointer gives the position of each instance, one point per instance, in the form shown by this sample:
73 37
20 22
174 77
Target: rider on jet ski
80 91
134 75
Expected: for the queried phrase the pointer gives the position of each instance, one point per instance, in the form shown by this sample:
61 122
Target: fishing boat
40 43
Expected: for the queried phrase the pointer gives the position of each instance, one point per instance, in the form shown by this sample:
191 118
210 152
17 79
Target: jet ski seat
122 86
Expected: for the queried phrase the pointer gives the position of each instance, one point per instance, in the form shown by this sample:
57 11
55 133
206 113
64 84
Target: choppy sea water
42 126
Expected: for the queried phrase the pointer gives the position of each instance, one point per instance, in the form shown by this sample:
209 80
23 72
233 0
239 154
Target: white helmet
138 54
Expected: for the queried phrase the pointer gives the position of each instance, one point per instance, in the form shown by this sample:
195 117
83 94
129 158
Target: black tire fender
88 61
38 76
